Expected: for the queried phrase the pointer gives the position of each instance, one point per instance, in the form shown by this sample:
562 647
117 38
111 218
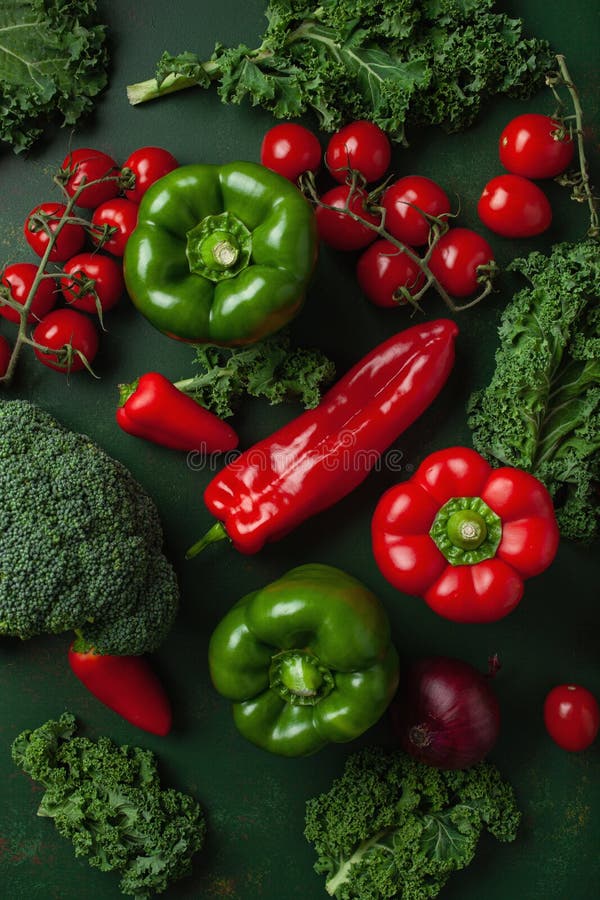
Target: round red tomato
402 202
514 207
536 146
383 269
340 230
120 215
572 716
145 166
361 146
19 278
71 334
85 165
105 282
290 150
455 259
46 217
5 354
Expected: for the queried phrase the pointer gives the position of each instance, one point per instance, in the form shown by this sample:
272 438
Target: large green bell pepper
307 660
221 254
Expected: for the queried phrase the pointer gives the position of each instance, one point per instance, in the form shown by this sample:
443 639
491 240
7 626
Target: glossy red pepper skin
483 591
127 685
318 458
159 412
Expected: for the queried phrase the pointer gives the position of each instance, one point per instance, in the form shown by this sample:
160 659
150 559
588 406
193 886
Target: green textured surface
255 802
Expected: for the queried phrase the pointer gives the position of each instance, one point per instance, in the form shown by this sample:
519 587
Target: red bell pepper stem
159 412
127 685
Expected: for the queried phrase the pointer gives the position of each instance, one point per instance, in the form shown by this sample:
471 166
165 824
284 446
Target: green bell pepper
221 254
307 660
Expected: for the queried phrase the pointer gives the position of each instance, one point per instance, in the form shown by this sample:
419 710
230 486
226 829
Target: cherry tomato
106 275
290 150
572 716
535 146
62 328
455 259
147 165
69 241
120 214
85 165
514 207
383 269
19 278
400 201
5 354
338 229
361 146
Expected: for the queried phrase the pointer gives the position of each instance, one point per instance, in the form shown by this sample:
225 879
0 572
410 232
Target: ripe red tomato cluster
90 281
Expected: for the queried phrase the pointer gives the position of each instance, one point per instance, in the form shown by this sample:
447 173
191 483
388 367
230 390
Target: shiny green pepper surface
306 661
221 254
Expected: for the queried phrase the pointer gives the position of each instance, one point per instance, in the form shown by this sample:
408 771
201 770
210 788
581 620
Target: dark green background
255 802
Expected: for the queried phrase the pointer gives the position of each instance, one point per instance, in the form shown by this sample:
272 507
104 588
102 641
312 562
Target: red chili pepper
465 536
315 460
159 412
127 685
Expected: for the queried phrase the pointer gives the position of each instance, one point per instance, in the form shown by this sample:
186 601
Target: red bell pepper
159 412
315 460
465 536
126 684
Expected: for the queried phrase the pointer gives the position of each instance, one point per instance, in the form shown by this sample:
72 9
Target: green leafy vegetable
107 799
394 62
392 827
53 61
541 410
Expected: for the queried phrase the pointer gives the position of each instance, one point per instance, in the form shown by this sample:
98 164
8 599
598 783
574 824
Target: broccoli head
80 540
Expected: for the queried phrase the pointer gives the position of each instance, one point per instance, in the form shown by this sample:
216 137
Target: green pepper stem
300 678
214 534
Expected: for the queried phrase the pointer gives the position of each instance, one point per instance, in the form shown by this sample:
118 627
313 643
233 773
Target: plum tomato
514 207
400 201
46 218
145 166
455 259
5 354
62 329
383 269
361 146
572 716
290 150
106 282
120 214
84 165
340 230
536 146
19 278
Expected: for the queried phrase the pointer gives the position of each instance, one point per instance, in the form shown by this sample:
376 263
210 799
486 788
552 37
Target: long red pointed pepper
315 460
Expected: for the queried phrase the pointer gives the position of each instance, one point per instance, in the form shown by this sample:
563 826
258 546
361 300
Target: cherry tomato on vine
383 269
290 150
119 214
514 207
146 165
340 230
106 275
572 716
361 146
46 217
5 354
455 259
64 328
536 146
85 165
402 217
19 278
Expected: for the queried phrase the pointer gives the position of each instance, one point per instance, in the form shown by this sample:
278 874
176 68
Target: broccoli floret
80 540
393 827
108 801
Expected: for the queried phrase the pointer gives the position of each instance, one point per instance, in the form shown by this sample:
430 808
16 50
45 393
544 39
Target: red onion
446 715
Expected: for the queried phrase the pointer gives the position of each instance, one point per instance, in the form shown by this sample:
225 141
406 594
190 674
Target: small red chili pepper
465 536
127 685
154 409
